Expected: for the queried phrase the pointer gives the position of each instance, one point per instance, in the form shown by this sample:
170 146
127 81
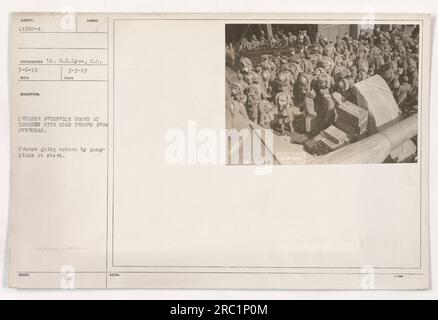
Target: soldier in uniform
303 99
344 92
252 102
266 114
403 91
298 74
329 50
264 43
391 79
306 39
292 39
236 107
340 44
285 116
241 81
255 44
284 83
328 111
245 45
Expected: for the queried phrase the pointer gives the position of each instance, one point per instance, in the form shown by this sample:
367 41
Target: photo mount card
168 151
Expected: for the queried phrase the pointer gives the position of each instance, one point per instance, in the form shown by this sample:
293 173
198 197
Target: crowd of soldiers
279 39
314 76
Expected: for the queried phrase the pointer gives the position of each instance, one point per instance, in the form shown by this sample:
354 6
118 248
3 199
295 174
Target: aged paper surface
243 151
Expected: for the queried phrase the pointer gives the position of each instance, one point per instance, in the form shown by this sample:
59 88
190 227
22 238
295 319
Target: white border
388 6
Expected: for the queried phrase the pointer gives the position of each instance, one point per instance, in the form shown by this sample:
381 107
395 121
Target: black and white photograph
262 153
329 93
